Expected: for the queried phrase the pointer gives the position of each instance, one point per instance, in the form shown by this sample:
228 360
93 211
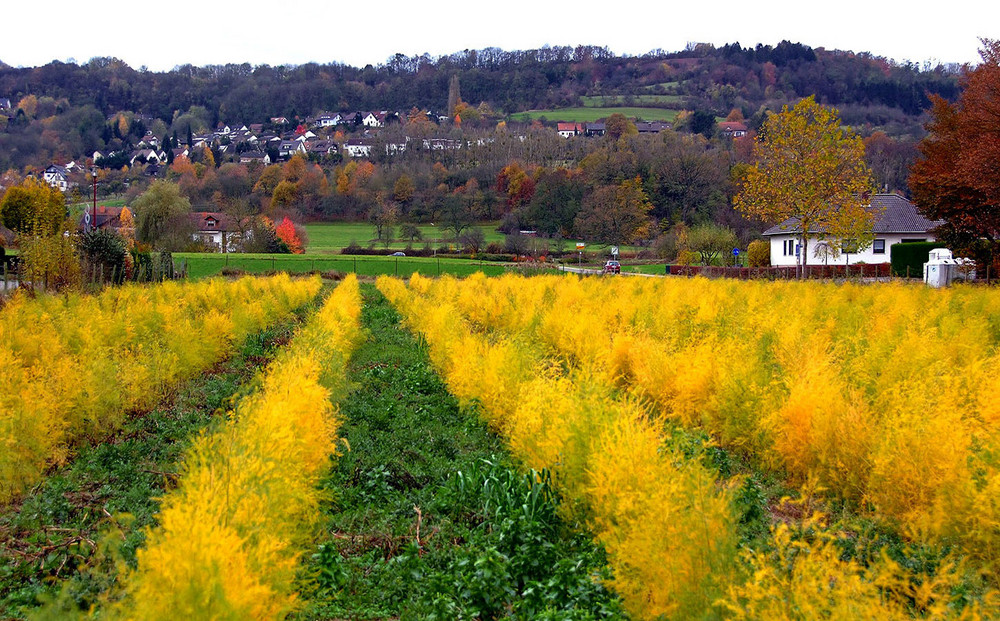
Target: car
398 254
612 267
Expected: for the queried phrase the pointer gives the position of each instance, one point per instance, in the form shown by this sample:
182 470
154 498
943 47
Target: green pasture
589 115
330 237
639 100
203 265
667 86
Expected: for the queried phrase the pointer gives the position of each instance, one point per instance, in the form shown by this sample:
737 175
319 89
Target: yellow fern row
886 395
230 536
826 383
667 526
74 366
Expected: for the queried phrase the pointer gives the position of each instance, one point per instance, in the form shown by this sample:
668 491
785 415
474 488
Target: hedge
908 259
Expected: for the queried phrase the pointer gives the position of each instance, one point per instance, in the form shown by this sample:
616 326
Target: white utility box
942 268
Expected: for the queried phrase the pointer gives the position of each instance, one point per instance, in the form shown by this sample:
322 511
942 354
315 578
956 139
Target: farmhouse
732 129
899 222
216 231
567 130
103 218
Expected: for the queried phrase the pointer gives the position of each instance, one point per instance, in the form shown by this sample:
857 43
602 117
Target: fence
878 270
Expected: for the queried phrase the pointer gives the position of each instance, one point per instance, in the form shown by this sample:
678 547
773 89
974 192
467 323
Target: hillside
71 104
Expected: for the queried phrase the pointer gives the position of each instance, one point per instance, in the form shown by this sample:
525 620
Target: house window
878 247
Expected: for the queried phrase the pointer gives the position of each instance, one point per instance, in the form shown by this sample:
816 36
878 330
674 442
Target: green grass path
409 537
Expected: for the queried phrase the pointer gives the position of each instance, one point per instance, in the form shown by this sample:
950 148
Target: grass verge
204 265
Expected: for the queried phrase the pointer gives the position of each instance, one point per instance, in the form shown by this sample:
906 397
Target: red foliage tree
286 232
955 180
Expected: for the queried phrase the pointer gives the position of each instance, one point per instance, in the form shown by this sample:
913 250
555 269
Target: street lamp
93 175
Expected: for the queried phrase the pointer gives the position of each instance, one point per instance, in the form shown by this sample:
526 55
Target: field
589 115
330 237
652 101
545 447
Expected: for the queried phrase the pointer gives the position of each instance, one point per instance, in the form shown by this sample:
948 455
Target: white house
568 130
288 148
148 156
56 177
255 156
372 119
328 120
216 231
898 223
732 129
358 147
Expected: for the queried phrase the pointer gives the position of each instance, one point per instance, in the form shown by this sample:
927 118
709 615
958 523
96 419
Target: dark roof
105 217
652 127
898 216
200 218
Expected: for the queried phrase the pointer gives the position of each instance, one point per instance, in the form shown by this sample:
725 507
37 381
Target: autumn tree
33 208
127 228
514 182
269 180
615 214
955 179
617 125
810 173
286 194
403 189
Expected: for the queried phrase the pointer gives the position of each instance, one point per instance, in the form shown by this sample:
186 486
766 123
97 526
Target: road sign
580 245
614 250
736 252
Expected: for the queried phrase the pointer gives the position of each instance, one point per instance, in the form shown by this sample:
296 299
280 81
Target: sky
161 36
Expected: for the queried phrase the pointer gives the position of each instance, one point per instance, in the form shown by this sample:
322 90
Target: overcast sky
164 35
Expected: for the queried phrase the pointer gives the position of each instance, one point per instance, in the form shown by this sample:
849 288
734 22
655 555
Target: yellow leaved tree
810 173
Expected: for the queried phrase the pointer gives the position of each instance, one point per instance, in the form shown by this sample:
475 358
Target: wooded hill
867 89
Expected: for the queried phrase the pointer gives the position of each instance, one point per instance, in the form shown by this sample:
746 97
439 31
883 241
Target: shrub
50 262
104 253
759 253
686 257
